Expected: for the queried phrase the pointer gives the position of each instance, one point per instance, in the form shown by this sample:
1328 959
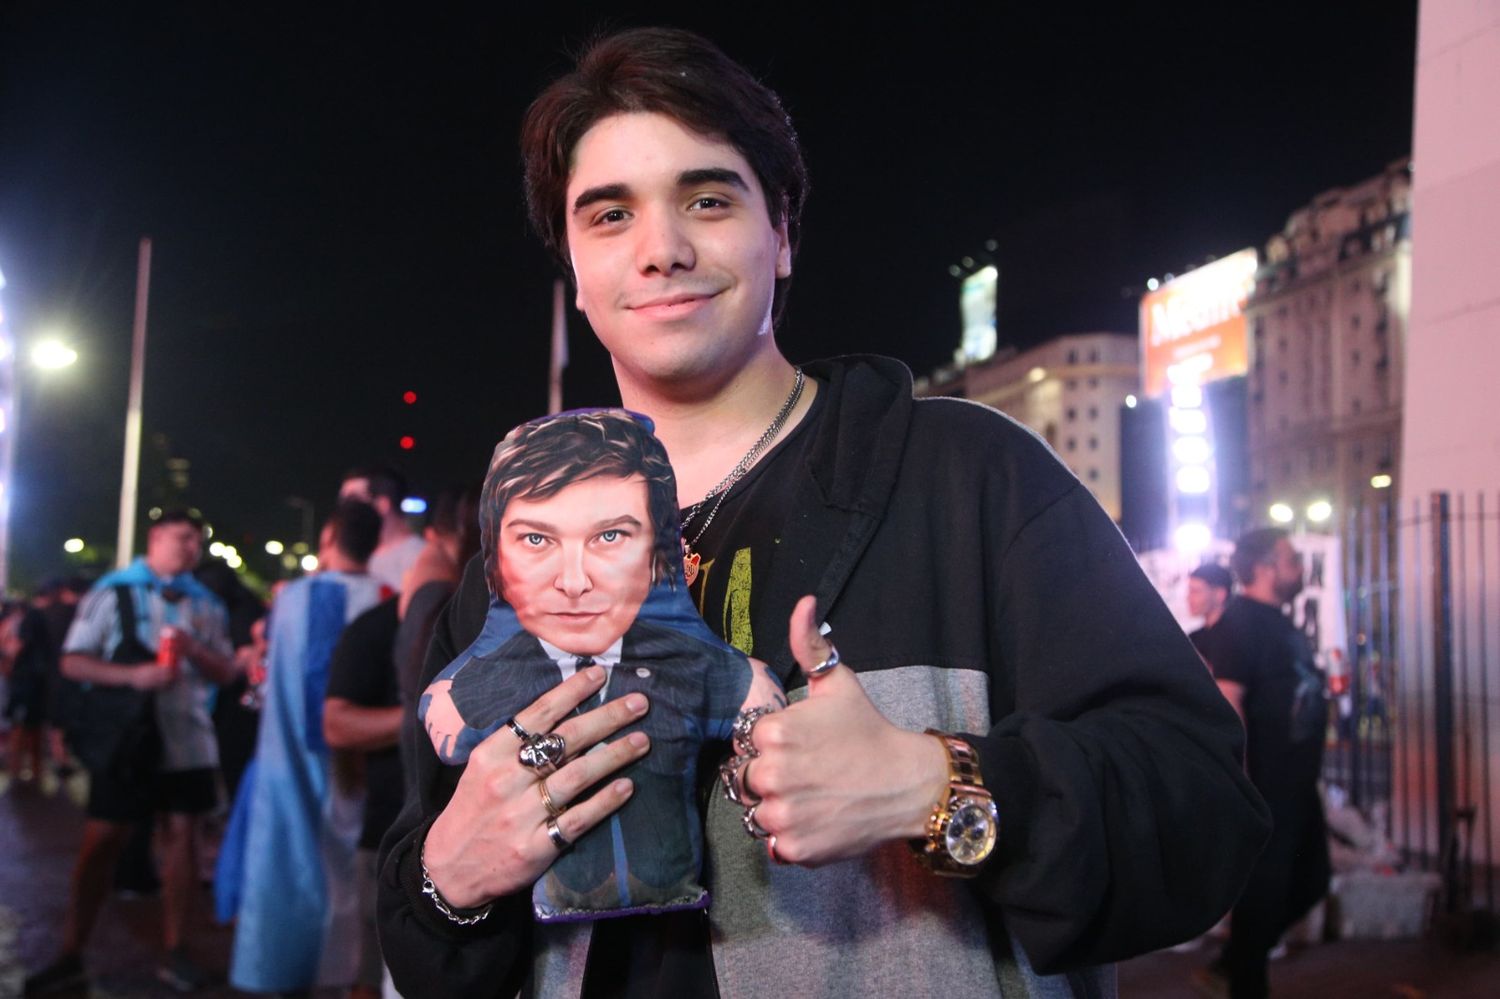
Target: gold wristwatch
965 824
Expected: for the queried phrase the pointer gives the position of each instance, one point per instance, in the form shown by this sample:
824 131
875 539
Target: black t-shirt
1256 646
363 672
1199 639
640 956
741 545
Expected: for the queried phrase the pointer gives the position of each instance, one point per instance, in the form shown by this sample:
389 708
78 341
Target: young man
972 584
168 771
1264 666
287 870
1209 587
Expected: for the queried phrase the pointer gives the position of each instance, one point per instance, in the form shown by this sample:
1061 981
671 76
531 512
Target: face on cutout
673 250
576 566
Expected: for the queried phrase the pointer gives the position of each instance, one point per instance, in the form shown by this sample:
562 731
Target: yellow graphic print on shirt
735 625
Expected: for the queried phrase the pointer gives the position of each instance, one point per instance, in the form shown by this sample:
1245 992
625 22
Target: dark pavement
39 834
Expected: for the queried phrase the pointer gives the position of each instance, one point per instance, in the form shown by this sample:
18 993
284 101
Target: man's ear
783 249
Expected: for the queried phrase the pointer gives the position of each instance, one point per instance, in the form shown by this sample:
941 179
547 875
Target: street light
1319 511
50 355
73 546
1281 513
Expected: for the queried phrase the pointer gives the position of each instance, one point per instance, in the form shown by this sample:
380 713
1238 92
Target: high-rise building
1328 331
1070 390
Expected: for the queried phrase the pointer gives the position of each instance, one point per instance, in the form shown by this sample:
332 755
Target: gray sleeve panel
879 924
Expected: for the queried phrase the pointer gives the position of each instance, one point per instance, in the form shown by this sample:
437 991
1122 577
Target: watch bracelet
964 779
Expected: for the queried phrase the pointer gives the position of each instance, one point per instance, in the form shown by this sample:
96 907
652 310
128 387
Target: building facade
1327 323
1070 390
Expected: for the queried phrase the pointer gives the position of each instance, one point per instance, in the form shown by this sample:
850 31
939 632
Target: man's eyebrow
541 526
625 520
604 192
688 178
535 525
712 175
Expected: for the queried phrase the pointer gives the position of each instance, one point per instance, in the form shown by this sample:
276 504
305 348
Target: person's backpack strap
130 650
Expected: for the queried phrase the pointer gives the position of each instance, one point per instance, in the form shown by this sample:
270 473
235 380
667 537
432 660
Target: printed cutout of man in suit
581 548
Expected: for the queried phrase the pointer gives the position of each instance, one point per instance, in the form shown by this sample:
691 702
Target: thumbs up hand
833 776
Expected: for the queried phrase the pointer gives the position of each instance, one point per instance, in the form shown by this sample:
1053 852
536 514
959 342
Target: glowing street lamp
50 355
1281 513
73 546
1319 511
275 547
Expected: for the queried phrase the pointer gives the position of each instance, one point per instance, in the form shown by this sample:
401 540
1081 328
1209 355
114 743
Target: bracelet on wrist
454 914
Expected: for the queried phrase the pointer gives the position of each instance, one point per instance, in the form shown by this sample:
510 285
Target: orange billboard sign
1193 327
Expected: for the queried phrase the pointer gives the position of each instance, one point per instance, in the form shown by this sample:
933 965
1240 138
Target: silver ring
827 664
515 727
555 835
733 778
744 728
552 807
753 827
771 849
543 753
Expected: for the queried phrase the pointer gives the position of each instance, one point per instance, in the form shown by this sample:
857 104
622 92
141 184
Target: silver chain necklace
690 558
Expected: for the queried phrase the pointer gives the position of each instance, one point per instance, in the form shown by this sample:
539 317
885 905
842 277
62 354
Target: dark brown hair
685 77
1253 548
541 458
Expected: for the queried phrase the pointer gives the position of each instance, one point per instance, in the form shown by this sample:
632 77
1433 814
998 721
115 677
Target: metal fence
1415 727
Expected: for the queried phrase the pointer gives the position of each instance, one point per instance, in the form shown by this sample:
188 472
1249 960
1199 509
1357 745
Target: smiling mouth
673 305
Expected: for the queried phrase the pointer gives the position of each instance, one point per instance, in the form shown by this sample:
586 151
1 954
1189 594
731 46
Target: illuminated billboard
977 298
1196 323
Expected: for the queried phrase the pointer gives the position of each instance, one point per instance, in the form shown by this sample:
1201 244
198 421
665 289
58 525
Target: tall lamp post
130 477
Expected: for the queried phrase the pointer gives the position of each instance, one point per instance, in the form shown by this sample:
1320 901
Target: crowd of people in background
169 692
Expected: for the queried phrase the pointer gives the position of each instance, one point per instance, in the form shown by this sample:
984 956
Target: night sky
333 193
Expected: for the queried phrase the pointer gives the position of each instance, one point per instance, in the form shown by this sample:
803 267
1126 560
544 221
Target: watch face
971 831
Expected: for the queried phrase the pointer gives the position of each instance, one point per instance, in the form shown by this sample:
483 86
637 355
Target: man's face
1286 562
576 566
673 251
1203 599
173 548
